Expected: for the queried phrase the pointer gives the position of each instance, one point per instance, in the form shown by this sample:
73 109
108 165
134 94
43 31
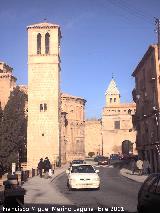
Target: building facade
43 134
106 135
147 97
73 110
56 121
7 83
117 121
93 136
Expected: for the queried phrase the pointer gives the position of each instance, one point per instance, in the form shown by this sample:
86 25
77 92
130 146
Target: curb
139 179
57 176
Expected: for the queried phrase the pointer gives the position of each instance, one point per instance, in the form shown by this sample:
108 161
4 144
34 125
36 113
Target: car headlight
73 179
96 179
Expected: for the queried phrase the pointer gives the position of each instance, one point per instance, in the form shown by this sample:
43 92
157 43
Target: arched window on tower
47 37
39 43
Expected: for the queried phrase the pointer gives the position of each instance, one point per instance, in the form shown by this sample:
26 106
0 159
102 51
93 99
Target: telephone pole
157 23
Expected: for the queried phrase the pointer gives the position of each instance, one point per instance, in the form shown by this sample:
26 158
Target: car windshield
83 169
77 161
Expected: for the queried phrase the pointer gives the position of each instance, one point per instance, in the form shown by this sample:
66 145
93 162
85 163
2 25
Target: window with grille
117 124
45 107
41 107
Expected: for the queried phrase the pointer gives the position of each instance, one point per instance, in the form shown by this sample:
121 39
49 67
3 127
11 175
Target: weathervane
112 75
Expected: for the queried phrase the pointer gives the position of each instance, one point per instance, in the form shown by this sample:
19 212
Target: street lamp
99 150
101 135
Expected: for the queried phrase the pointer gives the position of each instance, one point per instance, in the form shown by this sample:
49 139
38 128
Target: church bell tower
112 94
43 133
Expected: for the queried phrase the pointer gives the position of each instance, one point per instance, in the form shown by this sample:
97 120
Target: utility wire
139 14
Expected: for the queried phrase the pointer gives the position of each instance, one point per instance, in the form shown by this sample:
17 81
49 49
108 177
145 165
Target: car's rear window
82 169
103 158
77 161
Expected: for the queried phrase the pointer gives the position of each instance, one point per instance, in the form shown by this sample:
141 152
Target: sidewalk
128 173
41 190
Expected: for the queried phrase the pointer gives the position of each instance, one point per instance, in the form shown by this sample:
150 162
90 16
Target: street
115 191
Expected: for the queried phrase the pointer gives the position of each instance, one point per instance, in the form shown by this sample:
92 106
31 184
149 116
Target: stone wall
93 137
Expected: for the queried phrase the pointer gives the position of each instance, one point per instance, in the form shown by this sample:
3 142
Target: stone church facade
72 120
55 120
105 136
57 127
7 83
73 127
43 133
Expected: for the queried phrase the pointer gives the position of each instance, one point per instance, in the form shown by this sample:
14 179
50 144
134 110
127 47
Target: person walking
140 166
133 166
40 167
47 166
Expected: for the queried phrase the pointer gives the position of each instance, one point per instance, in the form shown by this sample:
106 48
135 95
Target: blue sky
99 37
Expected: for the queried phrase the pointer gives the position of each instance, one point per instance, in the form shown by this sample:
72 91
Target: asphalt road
116 192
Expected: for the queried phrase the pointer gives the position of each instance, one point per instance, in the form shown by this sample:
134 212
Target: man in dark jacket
40 167
47 166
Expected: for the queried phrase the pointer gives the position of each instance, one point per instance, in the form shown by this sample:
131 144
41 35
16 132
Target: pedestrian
133 166
47 166
146 167
40 167
139 166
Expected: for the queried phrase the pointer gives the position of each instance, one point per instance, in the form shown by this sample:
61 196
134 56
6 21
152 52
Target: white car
83 176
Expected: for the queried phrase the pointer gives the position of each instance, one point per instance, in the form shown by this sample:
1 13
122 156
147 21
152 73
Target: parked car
97 158
115 157
77 162
103 161
83 176
149 194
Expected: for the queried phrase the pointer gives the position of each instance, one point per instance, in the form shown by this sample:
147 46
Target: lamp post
99 149
102 143
101 136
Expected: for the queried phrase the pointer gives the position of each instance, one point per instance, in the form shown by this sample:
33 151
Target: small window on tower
45 107
39 43
41 107
110 100
117 124
47 39
114 100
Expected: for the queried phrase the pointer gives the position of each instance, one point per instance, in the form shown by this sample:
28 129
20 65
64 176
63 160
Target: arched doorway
127 147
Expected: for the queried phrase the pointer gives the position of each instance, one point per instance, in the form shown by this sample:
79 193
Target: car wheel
98 188
140 209
69 188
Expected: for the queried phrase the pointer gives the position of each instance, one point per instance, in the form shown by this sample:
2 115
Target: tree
91 154
13 129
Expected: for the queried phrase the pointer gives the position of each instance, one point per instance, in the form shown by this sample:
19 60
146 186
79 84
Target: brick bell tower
43 133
